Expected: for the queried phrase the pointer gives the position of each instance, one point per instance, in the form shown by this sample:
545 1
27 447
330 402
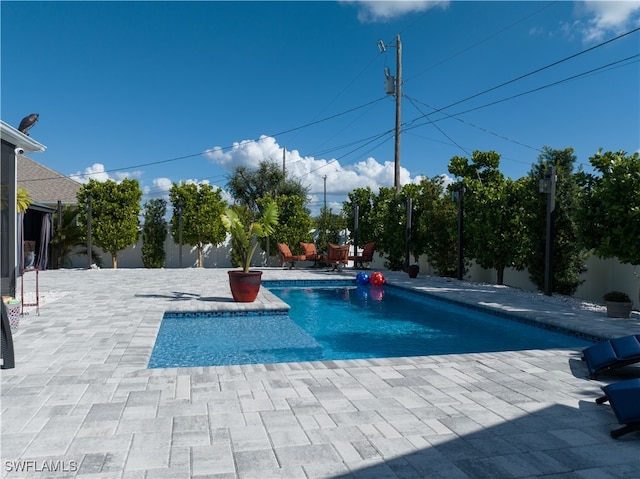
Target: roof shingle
46 186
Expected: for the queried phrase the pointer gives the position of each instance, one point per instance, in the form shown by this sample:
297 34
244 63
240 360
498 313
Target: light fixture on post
89 246
179 208
547 186
457 196
407 240
356 227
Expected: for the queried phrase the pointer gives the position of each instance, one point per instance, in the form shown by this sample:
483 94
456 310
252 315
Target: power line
478 127
408 125
440 110
436 126
493 35
574 77
152 163
541 69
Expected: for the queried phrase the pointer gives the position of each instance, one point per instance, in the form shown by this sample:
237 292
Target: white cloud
246 153
381 10
93 172
162 184
97 172
606 17
311 171
159 188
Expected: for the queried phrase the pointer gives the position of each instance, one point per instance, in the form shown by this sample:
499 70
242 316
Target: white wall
601 276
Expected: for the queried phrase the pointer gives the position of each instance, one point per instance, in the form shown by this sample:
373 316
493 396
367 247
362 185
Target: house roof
46 186
19 139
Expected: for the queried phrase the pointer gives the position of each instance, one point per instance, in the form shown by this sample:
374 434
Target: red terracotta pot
245 286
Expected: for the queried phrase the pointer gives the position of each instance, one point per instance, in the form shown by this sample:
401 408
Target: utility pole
394 87
398 111
284 156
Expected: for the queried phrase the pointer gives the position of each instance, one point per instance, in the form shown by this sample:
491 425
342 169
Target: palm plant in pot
245 284
618 304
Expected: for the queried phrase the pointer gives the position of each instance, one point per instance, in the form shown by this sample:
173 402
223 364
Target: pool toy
362 278
377 279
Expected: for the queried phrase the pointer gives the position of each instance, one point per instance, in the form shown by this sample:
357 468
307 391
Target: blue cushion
624 398
626 347
599 355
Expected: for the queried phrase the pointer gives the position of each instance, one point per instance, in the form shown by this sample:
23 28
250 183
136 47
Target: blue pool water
343 322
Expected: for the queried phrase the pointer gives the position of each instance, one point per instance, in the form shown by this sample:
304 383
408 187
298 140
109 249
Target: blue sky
171 91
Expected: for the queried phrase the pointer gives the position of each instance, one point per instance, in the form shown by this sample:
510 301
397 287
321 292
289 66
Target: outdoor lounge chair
310 252
624 398
337 255
611 354
287 257
365 257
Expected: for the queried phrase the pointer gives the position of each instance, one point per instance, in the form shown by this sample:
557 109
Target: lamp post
407 245
547 186
356 227
179 207
89 259
457 195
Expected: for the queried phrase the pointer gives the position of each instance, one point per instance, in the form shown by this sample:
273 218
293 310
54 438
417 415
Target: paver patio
82 403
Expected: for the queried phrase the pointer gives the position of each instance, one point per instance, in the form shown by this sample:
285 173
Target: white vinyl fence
601 276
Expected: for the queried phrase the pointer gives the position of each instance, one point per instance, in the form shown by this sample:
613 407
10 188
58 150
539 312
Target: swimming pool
343 322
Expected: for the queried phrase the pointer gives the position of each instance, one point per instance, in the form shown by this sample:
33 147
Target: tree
436 226
294 222
367 226
251 187
568 256
154 233
609 210
417 244
201 207
69 236
389 216
493 233
248 185
245 233
23 200
329 227
114 214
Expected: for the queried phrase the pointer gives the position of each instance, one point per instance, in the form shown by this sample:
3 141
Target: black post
179 205
460 270
356 220
548 251
59 249
90 260
407 248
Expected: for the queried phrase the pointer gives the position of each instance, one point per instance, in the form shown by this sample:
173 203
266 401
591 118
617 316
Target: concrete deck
81 402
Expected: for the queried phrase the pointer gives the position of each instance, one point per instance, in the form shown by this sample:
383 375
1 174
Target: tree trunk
114 260
500 274
200 247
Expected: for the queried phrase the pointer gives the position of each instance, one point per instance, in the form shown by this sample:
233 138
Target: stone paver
82 403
